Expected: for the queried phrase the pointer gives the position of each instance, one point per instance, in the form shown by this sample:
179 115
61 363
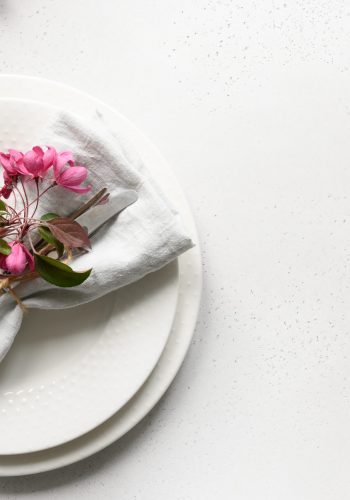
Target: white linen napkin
141 239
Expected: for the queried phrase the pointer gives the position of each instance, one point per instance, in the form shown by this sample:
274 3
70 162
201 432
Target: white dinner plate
70 370
188 301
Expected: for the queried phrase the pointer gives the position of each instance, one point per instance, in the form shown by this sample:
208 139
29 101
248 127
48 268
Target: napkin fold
141 239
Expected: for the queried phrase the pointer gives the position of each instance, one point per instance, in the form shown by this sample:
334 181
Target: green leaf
57 273
49 216
46 235
3 207
5 248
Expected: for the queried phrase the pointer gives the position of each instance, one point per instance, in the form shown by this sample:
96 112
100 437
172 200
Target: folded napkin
141 239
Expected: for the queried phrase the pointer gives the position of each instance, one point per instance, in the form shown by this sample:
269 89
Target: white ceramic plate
68 371
189 295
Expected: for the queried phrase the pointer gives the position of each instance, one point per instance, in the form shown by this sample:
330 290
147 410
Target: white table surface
250 103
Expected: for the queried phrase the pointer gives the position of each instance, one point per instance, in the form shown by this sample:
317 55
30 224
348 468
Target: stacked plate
77 380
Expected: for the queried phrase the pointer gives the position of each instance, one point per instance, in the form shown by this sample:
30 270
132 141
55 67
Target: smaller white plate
68 371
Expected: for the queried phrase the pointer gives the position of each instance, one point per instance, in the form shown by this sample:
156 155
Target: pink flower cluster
37 164
48 168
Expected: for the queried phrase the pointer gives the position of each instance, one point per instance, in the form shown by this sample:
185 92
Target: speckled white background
250 103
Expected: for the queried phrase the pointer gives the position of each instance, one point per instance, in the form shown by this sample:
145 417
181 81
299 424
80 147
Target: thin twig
93 201
17 299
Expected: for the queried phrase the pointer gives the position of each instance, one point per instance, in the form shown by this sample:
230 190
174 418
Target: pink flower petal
38 151
73 176
9 163
5 160
61 160
16 262
49 157
21 169
30 159
16 155
33 163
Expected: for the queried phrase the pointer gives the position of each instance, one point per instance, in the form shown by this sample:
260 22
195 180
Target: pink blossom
35 165
37 162
11 163
5 191
18 260
69 175
72 177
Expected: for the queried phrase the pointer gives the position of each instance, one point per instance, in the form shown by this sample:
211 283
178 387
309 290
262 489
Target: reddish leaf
69 232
